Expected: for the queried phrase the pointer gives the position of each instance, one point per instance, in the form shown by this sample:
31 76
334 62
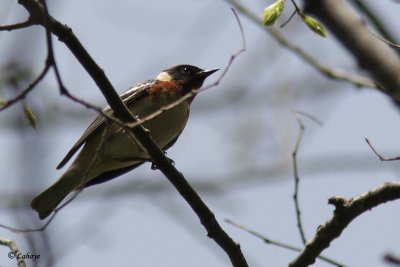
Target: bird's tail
49 199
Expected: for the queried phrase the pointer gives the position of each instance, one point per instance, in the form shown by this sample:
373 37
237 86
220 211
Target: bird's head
187 76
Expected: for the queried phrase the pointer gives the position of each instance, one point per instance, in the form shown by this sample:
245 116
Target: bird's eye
185 70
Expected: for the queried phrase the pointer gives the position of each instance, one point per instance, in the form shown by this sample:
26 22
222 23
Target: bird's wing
128 96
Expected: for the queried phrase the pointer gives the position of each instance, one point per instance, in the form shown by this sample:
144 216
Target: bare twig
297 181
279 244
382 158
297 10
384 40
295 168
28 89
345 212
50 60
308 115
14 251
44 226
289 19
16 26
296 6
373 19
50 51
393 259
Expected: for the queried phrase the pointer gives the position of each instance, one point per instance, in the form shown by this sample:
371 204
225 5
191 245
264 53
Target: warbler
108 151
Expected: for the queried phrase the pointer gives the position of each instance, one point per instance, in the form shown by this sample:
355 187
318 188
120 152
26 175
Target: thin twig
279 244
297 181
382 158
309 116
50 51
373 19
289 19
28 89
51 218
296 174
393 259
50 61
16 26
296 6
384 40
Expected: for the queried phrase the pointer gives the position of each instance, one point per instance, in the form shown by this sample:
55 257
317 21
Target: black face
184 72
190 77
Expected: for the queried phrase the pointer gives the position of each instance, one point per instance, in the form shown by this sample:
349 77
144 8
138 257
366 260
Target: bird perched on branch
108 150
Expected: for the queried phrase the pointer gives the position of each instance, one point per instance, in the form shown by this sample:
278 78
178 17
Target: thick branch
345 212
376 21
371 53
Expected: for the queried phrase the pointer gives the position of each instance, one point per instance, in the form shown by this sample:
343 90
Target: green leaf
32 119
314 25
272 12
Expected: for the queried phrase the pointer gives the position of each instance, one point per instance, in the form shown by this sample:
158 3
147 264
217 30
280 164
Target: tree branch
207 218
296 174
357 80
374 19
371 54
382 158
345 212
17 26
14 251
27 90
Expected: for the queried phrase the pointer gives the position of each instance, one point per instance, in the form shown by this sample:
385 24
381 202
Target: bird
106 150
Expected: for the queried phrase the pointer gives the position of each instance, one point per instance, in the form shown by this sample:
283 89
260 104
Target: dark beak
205 73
